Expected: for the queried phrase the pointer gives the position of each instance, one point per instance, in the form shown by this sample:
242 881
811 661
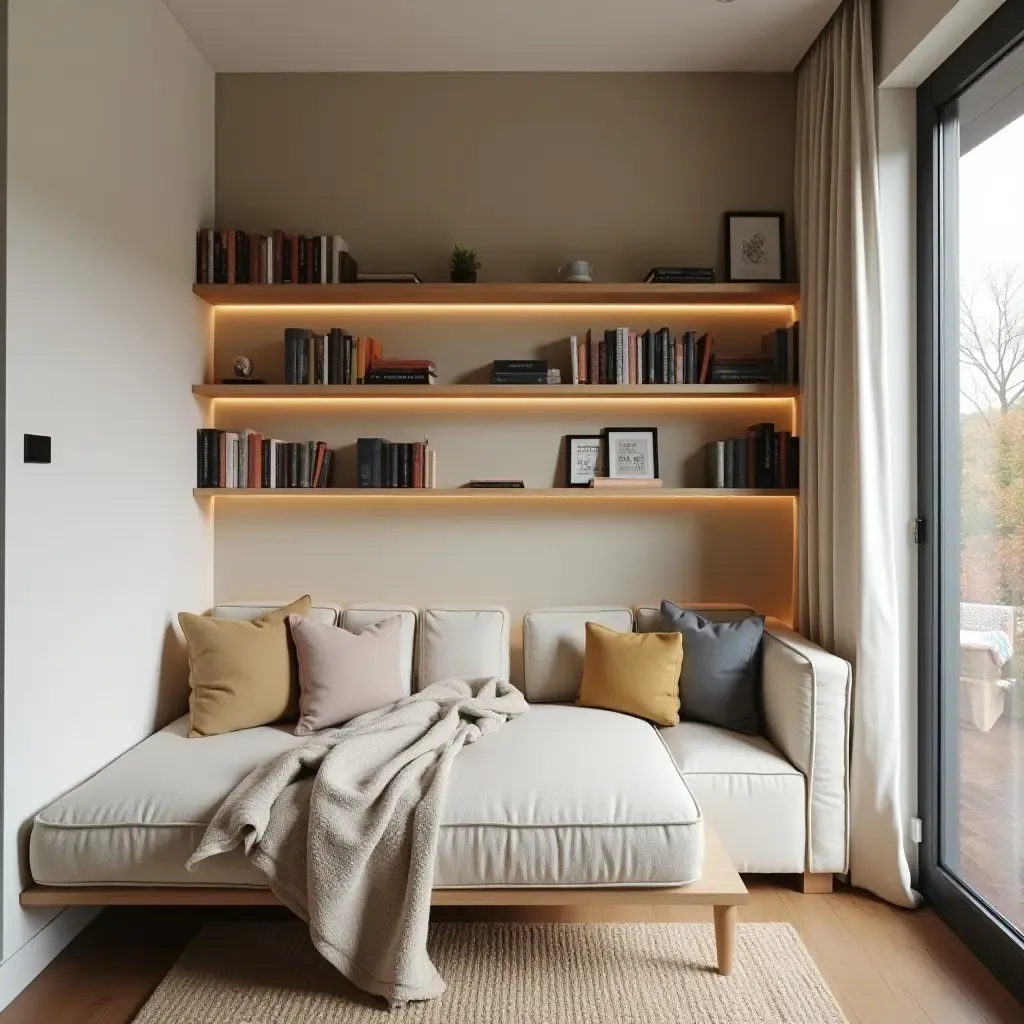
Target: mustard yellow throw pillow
241 674
636 673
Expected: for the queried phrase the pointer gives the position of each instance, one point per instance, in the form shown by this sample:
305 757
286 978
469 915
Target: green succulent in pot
464 265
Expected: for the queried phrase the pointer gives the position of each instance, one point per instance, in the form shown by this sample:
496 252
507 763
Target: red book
581 359
321 449
631 377
417 464
705 367
232 269
279 244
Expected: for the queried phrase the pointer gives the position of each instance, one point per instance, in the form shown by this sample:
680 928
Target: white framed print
754 247
582 458
632 453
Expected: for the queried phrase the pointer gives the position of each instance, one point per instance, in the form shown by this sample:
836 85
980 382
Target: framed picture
754 247
582 457
632 453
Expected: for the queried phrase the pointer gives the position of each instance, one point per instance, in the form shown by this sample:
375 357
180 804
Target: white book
273 461
231 452
574 357
431 468
620 361
270 260
639 359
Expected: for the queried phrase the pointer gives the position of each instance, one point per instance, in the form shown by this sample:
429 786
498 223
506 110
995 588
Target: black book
335 357
346 367
730 462
608 358
325 470
793 455
208 457
217 247
405 464
740 475
395 473
319 364
316 260
795 368
291 475
648 343
519 366
658 359
666 355
690 357
265 463
281 465
400 377
368 452
519 378
241 268
671 375
496 484
302 356
764 455
680 275
294 344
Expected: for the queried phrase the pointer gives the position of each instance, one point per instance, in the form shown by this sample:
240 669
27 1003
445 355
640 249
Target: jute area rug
269 973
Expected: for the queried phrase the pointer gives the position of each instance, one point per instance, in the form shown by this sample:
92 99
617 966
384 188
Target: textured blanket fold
345 828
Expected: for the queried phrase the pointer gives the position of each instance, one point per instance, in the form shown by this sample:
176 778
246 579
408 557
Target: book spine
520 366
325 475
255 460
764 455
395 471
431 468
582 361
497 378
315 268
385 464
417 464
405 467
204 458
690 373
574 354
649 353
666 354
608 358
794 462
742 462
366 451
319 367
716 464
594 360
270 462
730 462
232 467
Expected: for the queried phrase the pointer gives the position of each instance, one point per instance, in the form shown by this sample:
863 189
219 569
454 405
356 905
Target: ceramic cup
574 269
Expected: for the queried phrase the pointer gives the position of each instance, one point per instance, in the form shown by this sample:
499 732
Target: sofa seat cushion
560 796
750 794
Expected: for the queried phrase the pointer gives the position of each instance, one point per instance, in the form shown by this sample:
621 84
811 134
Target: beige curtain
847 590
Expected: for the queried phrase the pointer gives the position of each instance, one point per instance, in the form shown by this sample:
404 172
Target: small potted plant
465 264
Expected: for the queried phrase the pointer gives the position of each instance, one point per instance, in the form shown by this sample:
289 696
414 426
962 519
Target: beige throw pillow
343 675
241 674
636 673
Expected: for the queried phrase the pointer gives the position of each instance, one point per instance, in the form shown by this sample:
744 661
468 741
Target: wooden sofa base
724 904
815 882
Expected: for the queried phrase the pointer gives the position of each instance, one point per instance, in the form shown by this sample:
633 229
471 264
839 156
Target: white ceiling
513 35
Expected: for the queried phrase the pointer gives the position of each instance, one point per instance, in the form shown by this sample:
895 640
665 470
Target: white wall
110 171
897 154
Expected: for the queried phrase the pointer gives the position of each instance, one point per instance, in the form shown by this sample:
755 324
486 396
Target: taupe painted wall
627 171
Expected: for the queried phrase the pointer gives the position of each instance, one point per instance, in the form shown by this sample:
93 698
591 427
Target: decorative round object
244 367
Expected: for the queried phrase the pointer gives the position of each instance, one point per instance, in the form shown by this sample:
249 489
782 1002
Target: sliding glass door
971 130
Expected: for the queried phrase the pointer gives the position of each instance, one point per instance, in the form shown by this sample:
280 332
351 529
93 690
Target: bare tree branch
992 340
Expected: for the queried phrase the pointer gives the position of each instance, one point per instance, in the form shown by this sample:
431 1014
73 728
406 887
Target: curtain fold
847 583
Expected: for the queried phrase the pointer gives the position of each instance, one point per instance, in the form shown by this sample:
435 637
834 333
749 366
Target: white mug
575 268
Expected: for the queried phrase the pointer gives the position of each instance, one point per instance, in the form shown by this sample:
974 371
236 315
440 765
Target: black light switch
37 448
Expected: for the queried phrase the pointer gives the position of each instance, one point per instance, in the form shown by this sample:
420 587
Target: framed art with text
582 458
632 453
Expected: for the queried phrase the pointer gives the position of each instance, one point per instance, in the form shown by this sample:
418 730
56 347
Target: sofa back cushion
467 643
553 643
648 617
248 611
360 616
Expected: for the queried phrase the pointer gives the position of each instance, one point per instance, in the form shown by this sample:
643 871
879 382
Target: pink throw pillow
343 675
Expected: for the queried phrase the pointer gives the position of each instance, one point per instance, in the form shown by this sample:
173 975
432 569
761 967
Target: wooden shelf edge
542 392
510 493
524 294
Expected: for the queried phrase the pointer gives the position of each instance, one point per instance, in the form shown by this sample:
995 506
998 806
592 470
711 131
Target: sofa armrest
807 716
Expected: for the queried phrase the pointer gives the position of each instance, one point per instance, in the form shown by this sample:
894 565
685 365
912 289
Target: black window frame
995 943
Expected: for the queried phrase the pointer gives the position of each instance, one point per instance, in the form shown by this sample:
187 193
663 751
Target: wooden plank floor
885 966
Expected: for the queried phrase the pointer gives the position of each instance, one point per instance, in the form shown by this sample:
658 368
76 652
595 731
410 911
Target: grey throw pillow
721 679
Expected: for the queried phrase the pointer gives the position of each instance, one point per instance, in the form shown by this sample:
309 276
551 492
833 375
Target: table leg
725 938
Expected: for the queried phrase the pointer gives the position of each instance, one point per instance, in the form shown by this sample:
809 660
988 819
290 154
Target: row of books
680 275
246 458
235 257
654 357
524 371
764 458
332 358
783 347
383 463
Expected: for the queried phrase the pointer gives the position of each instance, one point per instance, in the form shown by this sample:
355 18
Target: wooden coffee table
720 887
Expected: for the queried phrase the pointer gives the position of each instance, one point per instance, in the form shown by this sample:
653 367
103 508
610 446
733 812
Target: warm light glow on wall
567 309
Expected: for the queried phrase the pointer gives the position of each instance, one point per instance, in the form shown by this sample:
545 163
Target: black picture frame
570 439
732 273
609 434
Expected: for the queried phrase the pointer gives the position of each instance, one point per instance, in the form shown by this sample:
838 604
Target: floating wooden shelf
444 392
575 494
444 294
